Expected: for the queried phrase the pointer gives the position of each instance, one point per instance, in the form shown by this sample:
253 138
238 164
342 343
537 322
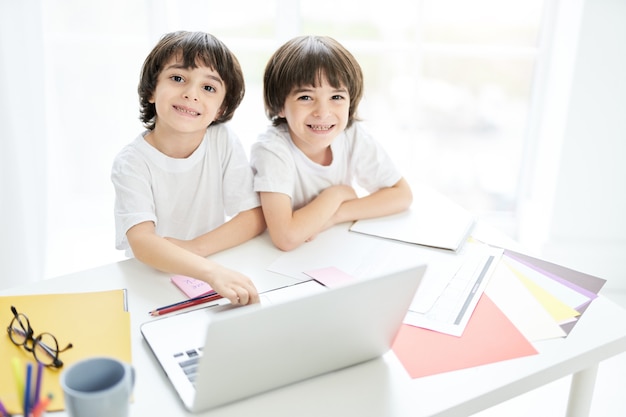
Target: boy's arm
386 201
158 252
241 228
288 229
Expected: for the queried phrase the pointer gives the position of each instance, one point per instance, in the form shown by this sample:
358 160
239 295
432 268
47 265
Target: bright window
448 90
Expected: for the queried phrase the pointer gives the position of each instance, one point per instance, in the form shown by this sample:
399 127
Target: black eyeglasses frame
21 325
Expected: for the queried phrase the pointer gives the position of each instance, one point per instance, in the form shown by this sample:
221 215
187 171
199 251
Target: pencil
38 381
199 297
18 376
29 372
42 406
3 411
212 296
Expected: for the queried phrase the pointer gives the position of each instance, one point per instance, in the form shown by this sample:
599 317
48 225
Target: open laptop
217 357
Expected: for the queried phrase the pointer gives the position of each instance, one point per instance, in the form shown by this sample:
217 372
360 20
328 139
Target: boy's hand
233 285
342 193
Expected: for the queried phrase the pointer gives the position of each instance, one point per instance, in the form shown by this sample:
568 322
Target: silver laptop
257 348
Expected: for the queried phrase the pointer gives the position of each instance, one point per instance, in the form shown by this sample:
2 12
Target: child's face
187 100
316 116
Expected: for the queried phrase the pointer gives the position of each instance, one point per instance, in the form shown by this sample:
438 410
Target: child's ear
281 113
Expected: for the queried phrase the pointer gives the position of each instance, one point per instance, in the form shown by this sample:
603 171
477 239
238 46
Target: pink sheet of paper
330 277
489 337
190 286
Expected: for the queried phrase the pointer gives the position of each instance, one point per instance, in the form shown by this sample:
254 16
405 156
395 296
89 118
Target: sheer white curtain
449 102
22 141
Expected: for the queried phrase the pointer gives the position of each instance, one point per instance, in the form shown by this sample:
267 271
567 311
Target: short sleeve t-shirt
279 165
185 197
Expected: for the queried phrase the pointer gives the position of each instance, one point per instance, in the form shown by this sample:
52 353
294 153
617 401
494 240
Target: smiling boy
184 186
307 163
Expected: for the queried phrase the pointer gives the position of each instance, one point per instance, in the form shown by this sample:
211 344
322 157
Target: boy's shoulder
134 147
219 129
356 129
359 135
275 131
274 141
132 157
274 136
221 136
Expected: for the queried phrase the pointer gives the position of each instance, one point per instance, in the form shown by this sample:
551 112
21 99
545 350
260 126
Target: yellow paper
96 323
558 310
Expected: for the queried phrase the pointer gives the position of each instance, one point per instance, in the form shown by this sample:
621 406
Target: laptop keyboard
189 361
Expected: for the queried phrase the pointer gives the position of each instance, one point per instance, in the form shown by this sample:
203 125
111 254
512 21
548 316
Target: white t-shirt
185 197
279 165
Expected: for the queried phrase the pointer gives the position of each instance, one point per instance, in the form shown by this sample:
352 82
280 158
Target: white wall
22 143
585 217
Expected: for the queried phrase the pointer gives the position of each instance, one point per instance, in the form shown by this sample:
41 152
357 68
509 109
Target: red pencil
184 304
42 406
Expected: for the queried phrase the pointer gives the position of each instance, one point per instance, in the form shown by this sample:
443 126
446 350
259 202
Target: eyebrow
299 90
216 78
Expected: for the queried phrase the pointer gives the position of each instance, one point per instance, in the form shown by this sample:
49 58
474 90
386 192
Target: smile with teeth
321 127
187 111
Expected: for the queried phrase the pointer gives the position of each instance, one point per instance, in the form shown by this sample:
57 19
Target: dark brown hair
304 61
193 48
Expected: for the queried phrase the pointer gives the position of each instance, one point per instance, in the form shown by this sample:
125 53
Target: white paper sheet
433 221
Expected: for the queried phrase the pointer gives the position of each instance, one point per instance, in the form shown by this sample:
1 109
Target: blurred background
513 109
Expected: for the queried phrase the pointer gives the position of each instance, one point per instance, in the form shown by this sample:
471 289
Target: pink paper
489 337
330 277
190 286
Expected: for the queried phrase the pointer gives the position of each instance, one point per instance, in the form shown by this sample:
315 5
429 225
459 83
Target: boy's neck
322 157
174 144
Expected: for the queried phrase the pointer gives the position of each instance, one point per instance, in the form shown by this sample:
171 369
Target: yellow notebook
96 323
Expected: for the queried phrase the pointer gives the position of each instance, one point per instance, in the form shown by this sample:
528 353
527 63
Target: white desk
377 388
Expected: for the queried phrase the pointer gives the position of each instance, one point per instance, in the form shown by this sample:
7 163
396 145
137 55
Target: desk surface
377 388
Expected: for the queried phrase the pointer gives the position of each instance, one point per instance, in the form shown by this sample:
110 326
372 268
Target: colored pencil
42 406
29 373
37 397
3 411
212 296
18 376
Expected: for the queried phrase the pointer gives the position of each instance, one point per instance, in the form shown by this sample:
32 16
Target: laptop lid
252 349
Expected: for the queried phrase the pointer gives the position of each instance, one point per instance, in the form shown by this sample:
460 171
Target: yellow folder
96 323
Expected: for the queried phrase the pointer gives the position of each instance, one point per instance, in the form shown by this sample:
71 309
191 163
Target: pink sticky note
190 286
330 277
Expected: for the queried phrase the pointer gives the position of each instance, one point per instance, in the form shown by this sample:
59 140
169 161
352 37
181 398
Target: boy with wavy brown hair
184 185
308 162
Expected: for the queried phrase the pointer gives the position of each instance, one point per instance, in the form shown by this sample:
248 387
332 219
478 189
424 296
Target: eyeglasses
44 347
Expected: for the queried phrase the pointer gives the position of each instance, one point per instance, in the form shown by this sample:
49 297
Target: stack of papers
563 293
527 300
452 289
